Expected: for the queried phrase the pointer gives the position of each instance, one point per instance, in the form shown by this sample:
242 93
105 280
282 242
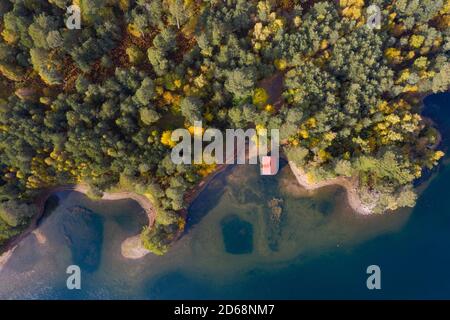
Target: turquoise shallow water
237 246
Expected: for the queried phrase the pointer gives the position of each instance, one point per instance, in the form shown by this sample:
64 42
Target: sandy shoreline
349 186
131 248
5 257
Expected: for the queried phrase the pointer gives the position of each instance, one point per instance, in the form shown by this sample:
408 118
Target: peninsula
94 107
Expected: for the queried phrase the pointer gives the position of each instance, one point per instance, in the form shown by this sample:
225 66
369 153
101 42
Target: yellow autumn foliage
260 130
196 130
404 75
281 64
303 133
393 54
438 155
323 155
134 31
352 8
421 63
269 108
166 139
9 36
410 88
260 97
311 122
329 136
416 41
393 119
384 107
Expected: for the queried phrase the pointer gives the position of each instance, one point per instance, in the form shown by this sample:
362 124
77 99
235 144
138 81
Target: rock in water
237 235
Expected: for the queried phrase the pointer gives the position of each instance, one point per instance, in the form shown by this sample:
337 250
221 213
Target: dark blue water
237 235
415 262
317 249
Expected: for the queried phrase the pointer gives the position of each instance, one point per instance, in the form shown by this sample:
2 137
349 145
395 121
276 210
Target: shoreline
132 247
349 185
135 252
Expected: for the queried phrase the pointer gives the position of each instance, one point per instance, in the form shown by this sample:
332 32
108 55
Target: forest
97 105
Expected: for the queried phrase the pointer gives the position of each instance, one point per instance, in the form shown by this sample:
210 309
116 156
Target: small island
92 109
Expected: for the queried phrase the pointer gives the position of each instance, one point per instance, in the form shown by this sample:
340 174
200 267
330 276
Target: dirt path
274 87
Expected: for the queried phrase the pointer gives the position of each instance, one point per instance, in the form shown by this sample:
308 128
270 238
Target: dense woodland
98 105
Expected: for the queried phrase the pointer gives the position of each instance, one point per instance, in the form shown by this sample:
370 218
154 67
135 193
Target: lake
247 237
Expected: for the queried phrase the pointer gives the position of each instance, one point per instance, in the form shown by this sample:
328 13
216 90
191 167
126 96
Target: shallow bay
315 248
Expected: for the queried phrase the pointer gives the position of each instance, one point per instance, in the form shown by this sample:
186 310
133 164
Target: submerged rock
275 206
83 231
237 235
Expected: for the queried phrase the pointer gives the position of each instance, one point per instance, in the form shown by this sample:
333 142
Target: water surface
238 244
